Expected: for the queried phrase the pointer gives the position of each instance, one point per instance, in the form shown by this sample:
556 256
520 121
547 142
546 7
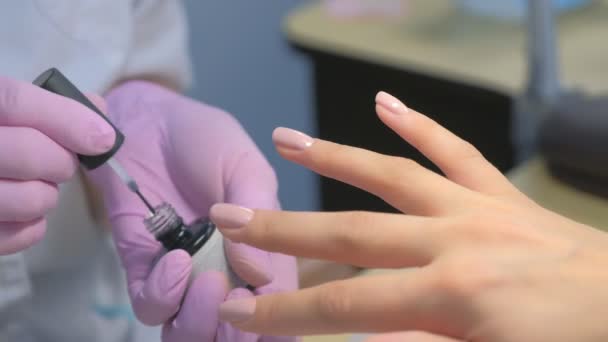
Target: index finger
401 182
66 121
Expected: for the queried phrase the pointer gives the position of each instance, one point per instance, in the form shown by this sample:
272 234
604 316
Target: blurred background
316 66
244 64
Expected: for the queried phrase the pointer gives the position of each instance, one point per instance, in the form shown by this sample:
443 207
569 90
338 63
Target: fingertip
68 169
238 310
179 255
105 136
383 112
102 139
197 319
391 103
292 140
171 273
16 236
164 288
251 264
381 95
230 216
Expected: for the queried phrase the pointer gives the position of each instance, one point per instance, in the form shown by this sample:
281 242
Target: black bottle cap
54 81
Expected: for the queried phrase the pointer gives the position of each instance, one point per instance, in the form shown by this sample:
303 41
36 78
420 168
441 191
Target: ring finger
409 300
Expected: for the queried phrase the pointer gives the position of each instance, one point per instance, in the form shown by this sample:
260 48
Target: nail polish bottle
201 239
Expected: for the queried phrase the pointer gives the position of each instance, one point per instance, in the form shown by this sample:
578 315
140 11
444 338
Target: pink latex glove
190 155
40 133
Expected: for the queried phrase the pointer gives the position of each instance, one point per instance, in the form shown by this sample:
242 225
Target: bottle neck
190 238
171 231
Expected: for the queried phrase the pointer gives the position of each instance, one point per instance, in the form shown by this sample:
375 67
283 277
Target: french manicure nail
230 216
391 103
291 139
238 310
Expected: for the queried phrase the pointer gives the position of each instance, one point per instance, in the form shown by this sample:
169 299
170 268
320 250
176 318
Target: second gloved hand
192 156
40 134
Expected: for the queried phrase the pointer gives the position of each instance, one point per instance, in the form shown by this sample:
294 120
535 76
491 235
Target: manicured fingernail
291 139
230 216
236 311
103 139
391 103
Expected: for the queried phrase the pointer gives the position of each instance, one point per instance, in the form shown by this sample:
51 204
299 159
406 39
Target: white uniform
78 290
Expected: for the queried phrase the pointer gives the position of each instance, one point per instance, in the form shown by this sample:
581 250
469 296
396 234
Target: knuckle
471 226
402 165
468 152
263 228
491 227
396 169
466 278
38 199
334 301
264 231
24 162
22 237
350 230
431 132
471 229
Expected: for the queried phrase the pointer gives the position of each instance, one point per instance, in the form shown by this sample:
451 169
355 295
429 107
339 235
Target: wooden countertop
437 39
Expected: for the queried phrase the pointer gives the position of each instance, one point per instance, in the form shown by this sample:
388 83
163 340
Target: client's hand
486 263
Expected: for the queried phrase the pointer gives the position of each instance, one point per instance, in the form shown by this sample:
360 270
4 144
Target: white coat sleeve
159 48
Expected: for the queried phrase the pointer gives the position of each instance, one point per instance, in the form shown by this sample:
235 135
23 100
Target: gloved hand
190 155
40 133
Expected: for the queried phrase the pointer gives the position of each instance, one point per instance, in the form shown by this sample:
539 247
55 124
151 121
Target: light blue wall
244 65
